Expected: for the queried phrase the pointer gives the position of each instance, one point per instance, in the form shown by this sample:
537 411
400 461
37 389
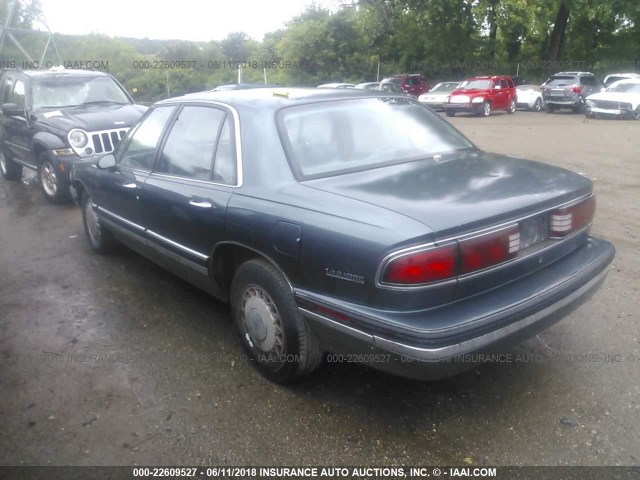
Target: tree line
363 40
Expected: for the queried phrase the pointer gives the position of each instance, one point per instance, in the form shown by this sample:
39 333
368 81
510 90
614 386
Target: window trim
235 133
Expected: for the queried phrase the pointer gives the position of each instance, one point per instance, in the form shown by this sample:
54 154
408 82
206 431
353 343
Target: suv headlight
78 138
477 100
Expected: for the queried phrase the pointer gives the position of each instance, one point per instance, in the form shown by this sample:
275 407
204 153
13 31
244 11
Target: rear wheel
276 337
54 187
537 106
550 108
450 113
512 107
9 169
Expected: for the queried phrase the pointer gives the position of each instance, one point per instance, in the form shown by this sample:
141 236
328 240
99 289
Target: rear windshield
329 138
475 85
561 81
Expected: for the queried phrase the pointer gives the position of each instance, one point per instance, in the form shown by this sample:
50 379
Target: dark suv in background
569 90
53 118
414 83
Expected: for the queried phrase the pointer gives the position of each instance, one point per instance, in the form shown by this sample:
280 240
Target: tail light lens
576 89
565 221
488 250
426 266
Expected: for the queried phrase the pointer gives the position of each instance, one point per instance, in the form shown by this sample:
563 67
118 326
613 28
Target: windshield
625 88
561 81
444 87
59 92
475 85
329 138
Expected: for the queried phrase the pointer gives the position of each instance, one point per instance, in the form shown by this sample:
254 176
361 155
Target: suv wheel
486 109
549 108
277 339
512 106
450 113
54 188
9 169
636 113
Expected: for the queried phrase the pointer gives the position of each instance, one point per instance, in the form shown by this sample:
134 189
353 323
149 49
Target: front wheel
512 107
276 337
486 109
99 238
54 187
9 169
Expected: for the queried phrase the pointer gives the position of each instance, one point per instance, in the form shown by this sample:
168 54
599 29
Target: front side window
192 142
140 148
329 138
18 94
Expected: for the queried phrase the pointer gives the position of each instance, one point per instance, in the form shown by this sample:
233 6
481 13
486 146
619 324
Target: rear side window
510 82
504 84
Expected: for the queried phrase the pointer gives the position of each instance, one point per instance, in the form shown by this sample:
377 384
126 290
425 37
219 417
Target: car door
184 199
117 189
17 128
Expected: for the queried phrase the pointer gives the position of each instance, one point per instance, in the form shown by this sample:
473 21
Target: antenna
7 32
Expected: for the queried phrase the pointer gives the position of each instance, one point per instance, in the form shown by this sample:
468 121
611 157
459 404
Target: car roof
276 98
62 73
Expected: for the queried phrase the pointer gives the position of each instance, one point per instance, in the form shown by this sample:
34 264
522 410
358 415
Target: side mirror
12 110
107 161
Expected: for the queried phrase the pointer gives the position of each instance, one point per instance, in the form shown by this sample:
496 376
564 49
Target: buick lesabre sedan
352 222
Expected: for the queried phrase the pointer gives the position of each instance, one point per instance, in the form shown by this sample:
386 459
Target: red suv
481 95
413 84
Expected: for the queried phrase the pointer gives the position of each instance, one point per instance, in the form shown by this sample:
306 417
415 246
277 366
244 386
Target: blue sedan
356 223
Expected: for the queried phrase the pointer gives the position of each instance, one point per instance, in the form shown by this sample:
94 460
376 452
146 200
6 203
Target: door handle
130 185
200 203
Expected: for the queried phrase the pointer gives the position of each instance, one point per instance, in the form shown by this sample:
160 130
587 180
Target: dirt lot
112 361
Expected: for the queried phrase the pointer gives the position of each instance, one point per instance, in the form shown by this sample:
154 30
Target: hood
466 192
92 118
634 98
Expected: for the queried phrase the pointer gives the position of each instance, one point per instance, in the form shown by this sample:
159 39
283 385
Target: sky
197 20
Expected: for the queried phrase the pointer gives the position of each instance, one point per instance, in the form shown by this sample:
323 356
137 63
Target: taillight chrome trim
478 233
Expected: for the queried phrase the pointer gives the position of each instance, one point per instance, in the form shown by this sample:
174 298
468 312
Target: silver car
438 95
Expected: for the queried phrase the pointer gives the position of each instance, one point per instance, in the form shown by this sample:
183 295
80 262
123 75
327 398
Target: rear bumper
390 341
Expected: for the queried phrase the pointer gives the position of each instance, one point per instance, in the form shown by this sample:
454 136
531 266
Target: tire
579 108
99 238
636 113
537 106
486 109
549 108
277 339
54 187
450 113
512 107
588 114
9 169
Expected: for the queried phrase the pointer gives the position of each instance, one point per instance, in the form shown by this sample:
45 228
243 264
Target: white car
529 97
438 95
621 99
614 77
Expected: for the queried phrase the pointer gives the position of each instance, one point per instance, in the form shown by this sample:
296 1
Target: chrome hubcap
487 109
93 225
49 179
261 321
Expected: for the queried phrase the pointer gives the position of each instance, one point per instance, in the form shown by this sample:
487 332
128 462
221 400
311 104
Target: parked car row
347 221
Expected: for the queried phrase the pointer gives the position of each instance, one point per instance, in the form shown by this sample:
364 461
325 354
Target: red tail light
576 89
487 250
422 267
565 221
